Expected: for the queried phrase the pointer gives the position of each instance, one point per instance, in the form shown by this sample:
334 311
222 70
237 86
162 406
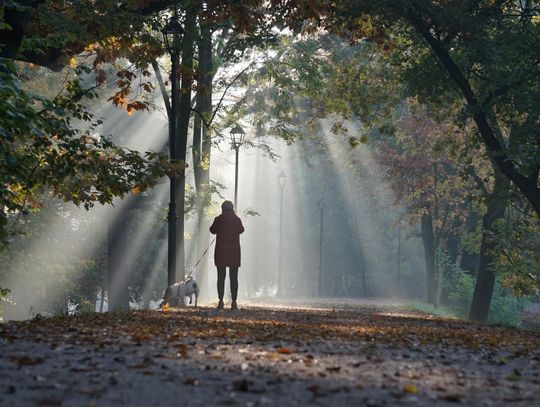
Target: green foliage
50 144
505 308
457 285
518 251
459 288
307 79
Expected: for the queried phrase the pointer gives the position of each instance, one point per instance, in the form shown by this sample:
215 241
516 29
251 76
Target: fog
357 254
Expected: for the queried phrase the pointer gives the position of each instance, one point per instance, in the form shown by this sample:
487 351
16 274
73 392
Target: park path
322 353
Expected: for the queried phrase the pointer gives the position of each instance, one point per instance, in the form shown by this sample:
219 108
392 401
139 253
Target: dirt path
323 354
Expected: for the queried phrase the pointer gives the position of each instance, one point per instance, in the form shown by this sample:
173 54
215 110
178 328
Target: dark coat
228 228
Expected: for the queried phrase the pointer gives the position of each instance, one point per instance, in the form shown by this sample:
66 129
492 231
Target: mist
356 258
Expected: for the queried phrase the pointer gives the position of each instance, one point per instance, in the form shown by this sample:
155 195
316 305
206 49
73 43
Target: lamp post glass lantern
237 139
237 136
282 181
171 36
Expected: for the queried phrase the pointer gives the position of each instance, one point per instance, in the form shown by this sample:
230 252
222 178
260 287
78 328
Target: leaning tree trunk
428 240
201 155
485 281
495 147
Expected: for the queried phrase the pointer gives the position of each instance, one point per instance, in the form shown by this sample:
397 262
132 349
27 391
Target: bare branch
162 87
225 93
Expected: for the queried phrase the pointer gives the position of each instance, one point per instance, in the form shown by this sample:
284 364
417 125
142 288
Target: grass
429 309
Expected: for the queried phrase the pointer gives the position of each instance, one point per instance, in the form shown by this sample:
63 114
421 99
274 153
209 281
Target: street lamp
321 208
398 257
282 180
237 139
172 33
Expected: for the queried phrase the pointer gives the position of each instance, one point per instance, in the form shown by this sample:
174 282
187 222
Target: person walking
227 227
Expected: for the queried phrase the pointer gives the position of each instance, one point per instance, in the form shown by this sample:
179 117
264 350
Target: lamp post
172 33
398 257
321 208
282 180
237 139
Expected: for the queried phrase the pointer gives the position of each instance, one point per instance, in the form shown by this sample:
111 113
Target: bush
457 285
459 288
505 308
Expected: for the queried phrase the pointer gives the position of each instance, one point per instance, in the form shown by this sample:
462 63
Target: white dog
175 295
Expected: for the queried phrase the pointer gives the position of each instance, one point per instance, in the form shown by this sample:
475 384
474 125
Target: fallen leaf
241 384
410 389
452 397
182 350
27 361
192 381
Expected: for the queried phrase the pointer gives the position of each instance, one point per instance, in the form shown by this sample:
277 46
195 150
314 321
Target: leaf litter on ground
290 355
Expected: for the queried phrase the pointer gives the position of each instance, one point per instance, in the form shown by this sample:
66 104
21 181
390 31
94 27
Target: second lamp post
321 208
282 180
237 139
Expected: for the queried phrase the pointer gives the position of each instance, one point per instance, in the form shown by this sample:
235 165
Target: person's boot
234 306
220 305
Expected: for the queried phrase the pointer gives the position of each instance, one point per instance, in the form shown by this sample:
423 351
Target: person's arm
213 228
240 227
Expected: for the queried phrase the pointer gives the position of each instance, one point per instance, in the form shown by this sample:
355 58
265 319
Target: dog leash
200 258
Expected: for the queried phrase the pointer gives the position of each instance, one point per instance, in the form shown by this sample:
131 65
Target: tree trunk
17 18
182 128
118 299
361 262
485 281
202 165
428 240
102 300
117 247
469 260
363 278
453 244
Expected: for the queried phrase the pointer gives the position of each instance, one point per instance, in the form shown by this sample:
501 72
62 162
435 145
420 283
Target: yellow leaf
410 389
73 62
